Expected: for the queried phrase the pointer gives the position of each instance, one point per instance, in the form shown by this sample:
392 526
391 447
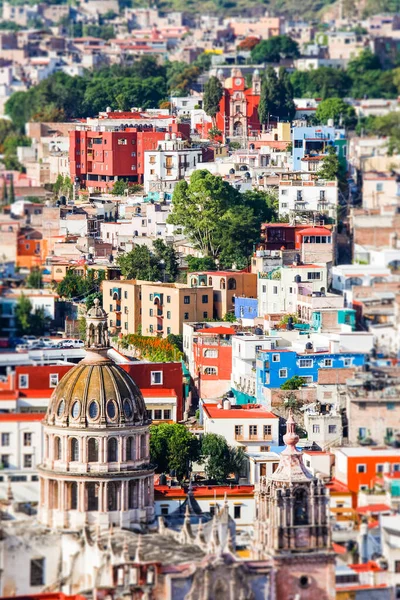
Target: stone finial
139 548
291 438
186 534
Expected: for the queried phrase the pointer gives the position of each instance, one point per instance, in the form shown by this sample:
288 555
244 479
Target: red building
28 388
100 154
238 114
212 352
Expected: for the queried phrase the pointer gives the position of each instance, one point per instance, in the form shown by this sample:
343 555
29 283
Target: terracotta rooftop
242 411
373 508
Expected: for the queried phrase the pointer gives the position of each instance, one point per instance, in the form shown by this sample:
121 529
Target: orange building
212 353
31 249
358 467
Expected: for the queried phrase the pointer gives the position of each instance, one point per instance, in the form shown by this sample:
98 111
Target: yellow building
122 303
166 306
226 285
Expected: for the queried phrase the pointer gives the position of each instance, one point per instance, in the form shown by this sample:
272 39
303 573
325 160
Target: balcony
267 437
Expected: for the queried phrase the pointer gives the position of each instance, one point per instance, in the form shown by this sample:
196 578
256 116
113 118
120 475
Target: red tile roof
161 393
217 330
243 411
22 417
315 231
373 508
338 548
337 487
371 565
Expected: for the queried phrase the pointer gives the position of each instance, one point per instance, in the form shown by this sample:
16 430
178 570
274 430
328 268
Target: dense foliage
158 264
154 349
276 100
144 84
213 92
76 287
220 221
173 448
27 320
275 48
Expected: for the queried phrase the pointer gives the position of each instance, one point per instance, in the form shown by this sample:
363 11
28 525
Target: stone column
101 496
105 490
123 496
81 497
83 449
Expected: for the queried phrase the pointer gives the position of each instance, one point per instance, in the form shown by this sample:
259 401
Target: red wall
354 479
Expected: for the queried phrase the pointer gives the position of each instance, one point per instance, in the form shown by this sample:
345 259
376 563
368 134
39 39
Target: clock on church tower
292 527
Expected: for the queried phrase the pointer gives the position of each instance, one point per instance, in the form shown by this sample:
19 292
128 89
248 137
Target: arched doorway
238 128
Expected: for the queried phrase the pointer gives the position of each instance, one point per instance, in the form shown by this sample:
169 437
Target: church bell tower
292 527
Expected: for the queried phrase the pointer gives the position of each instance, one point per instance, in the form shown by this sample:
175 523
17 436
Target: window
210 353
379 468
283 373
275 289
238 430
390 406
150 312
361 468
210 371
363 488
204 299
205 315
332 428
186 299
315 428
252 430
23 381
186 316
37 571
298 143
74 455
151 297
168 299
93 450
122 141
125 295
267 430
397 566
212 510
237 512
328 362
167 414
53 377
156 377
151 328
27 461
112 450
5 439
275 357
314 275
396 467
27 439
5 461
158 414
306 363
168 314
168 330
347 362
165 510
379 187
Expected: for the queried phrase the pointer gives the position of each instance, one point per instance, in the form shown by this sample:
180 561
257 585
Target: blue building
274 367
313 141
246 308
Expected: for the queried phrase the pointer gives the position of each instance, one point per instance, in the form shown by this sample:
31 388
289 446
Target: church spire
291 467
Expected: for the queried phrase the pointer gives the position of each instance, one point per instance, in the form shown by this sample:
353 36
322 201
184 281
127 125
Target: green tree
139 263
119 187
176 340
238 461
34 279
213 92
270 97
11 190
167 260
338 110
294 383
287 109
23 311
389 126
4 193
201 264
216 453
330 168
173 448
275 48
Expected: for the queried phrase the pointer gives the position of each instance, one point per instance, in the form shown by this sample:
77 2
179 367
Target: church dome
96 396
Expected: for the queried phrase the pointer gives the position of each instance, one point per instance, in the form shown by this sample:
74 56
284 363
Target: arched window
231 284
210 281
92 491
222 283
112 496
73 497
112 450
143 447
300 508
57 448
93 450
130 449
210 371
193 282
133 494
74 450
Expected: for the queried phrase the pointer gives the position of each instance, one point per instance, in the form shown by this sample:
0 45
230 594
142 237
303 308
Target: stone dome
96 395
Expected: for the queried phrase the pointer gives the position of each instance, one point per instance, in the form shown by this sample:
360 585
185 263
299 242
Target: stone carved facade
292 526
96 468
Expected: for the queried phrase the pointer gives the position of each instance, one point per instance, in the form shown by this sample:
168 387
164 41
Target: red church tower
238 114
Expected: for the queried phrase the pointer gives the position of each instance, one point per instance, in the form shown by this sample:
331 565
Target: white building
21 443
345 276
248 426
325 429
308 196
278 290
183 106
164 167
244 350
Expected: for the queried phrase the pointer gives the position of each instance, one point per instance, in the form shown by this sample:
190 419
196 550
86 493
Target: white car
71 344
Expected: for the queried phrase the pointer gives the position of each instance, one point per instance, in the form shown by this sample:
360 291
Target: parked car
71 344
20 348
